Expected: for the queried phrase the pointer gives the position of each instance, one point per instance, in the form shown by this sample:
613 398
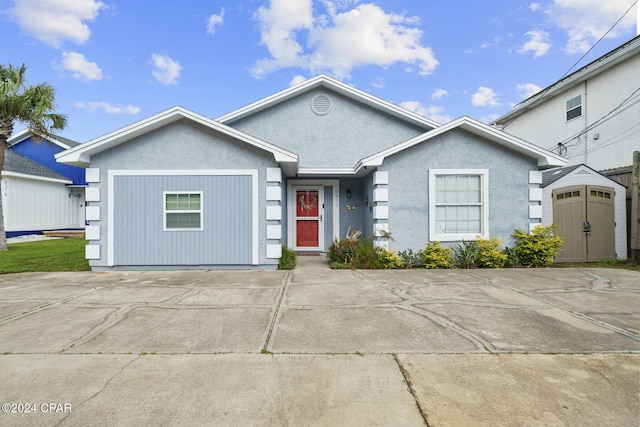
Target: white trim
81 155
274 251
92 194
253 173
334 85
535 177
380 177
92 213
27 133
381 195
92 232
274 232
92 175
535 212
335 184
381 212
274 194
9 174
274 175
545 158
433 234
92 252
274 213
535 194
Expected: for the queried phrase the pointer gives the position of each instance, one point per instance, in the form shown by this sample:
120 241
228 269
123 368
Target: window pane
171 202
183 220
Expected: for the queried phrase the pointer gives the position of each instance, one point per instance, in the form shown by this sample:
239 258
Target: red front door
308 218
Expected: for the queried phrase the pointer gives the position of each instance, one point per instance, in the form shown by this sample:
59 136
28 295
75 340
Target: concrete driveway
510 347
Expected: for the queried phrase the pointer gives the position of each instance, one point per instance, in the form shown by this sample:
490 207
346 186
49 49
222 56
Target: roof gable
546 159
553 175
324 81
25 134
81 155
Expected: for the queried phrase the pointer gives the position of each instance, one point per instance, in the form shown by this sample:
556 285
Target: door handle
586 227
320 217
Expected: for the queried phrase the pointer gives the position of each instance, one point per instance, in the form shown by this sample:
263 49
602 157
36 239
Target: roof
17 164
546 159
552 175
324 81
81 154
600 65
58 140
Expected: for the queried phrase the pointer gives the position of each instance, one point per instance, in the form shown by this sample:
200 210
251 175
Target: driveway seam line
407 381
285 283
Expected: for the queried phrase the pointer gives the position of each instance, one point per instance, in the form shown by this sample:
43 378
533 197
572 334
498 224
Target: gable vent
321 104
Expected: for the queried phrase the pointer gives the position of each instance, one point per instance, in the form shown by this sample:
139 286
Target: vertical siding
32 205
226 237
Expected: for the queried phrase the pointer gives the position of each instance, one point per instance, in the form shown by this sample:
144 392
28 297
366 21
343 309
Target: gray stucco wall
409 186
183 145
349 132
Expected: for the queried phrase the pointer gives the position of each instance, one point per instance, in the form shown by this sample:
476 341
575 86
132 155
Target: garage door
180 220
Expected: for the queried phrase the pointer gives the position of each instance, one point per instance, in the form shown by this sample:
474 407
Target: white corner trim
535 194
274 232
92 252
535 177
381 212
274 213
535 212
274 251
92 194
274 175
274 194
380 195
92 213
380 177
92 232
92 175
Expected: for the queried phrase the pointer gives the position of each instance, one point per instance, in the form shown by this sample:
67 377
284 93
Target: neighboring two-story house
591 117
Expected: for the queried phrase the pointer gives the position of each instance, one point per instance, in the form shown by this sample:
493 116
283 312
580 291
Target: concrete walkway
510 347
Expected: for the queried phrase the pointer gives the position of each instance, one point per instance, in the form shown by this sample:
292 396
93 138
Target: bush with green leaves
489 253
288 259
366 255
466 254
538 248
341 251
411 259
389 259
437 256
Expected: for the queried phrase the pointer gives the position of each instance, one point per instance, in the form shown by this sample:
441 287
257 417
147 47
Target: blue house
300 168
38 193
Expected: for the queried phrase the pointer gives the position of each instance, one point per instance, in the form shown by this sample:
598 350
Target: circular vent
321 104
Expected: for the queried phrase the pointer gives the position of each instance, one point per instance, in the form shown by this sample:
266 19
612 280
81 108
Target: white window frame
567 109
484 203
165 211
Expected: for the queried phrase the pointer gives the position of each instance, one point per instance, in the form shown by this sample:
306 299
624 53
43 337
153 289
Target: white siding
33 205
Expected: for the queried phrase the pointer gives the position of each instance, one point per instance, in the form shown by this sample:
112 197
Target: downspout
586 123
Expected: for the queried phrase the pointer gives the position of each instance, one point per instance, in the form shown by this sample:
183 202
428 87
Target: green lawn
46 255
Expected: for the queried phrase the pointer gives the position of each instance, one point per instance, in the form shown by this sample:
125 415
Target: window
574 107
458 204
182 211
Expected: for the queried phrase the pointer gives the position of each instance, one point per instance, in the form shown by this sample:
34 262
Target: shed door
585 219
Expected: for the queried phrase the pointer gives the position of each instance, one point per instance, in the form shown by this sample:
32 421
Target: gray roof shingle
14 162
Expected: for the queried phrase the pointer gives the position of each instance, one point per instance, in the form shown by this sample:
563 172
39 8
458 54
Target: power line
548 88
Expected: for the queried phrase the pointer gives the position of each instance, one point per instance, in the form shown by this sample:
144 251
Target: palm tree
30 105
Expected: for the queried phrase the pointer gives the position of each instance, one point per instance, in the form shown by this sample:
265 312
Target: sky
115 62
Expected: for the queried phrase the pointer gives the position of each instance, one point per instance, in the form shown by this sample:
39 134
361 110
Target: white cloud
586 21
439 94
431 112
108 108
55 21
534 7
538 43
527 90
215 20
485 97
340 40
167 71
296 80
80 68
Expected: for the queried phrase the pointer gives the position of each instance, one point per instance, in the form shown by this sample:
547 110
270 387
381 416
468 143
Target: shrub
389 259
466 254
411 259
512 257
489 253
365 256
436 256
538 248
288 259
341 251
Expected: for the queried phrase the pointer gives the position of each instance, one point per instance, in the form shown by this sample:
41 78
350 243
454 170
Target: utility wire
548 88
